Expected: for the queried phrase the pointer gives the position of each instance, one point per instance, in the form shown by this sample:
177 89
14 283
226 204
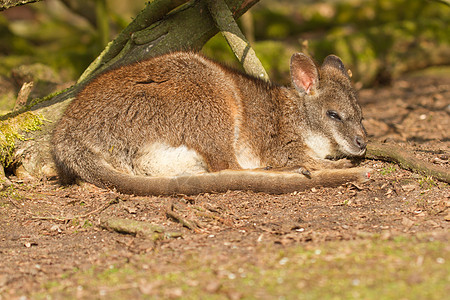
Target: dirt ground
49 235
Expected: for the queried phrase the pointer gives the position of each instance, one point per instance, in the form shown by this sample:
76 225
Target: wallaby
181 123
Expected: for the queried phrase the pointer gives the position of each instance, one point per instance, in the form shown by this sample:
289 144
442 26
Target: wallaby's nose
360 142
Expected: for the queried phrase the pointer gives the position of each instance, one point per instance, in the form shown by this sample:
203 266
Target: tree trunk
162 26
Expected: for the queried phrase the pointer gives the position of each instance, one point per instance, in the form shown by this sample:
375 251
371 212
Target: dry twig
65 219
178 218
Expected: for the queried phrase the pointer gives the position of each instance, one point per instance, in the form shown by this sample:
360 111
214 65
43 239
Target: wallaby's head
334 127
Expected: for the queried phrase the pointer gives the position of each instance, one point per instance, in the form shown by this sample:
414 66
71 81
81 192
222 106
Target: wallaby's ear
304 73
334 62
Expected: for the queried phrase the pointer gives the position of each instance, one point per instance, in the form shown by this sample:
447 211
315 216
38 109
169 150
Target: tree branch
5 4
224 20
153 12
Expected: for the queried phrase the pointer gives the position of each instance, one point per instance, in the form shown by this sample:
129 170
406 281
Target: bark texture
5 4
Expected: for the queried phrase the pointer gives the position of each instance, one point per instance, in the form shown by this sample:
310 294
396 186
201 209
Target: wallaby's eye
334 115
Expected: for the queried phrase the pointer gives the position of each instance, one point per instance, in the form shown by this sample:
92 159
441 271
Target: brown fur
184 99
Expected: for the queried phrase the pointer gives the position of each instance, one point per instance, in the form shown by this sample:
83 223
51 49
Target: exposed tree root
405 160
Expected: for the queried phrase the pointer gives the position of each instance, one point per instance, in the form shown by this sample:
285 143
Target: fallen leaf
408 187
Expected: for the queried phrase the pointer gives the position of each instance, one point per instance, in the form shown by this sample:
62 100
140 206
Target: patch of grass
360 269
12 193
51 284
427 182
87 224
421 203
388 170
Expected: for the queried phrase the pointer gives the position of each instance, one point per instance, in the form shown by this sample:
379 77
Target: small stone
3 280
437 160
56 228
447 217
407 222
174 293
130 209
213 286
148 288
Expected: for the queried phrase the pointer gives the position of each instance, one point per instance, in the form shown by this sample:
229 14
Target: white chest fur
246 158
318 144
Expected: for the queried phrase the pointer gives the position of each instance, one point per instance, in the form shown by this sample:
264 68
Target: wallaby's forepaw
301 170
304 171
342 163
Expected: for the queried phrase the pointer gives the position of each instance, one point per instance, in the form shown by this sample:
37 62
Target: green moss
12 130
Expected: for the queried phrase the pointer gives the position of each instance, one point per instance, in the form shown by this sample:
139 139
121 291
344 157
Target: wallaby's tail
255 180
